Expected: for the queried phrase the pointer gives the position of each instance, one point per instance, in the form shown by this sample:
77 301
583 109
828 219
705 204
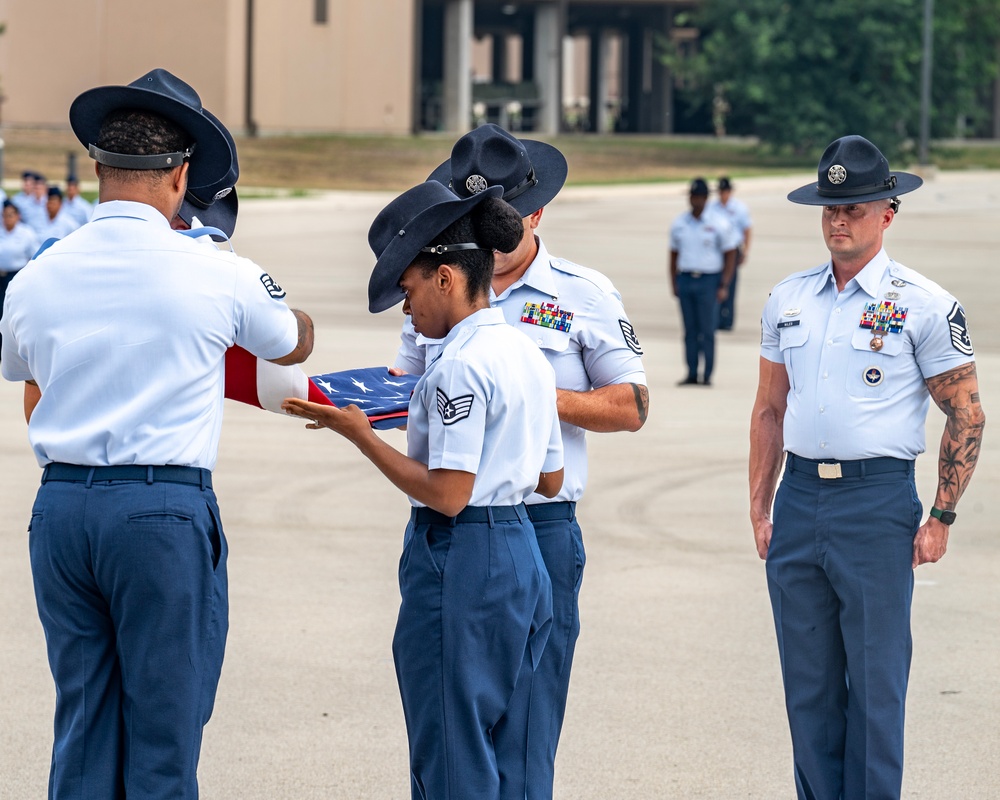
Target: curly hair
139 133
493 224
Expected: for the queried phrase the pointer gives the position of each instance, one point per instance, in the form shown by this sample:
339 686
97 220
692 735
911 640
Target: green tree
800 74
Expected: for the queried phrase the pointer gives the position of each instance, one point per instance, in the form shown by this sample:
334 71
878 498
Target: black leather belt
831 470
547 512
77 473
490 514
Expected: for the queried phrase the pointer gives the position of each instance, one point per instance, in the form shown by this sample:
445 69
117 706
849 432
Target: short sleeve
458 397
411 356
769 348
612 353
264 324
944 341
12 366
554 454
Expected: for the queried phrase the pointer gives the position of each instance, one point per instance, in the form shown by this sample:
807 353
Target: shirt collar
468 326
538 275
868 280
128 208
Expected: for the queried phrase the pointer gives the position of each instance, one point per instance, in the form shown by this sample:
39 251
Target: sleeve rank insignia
547 315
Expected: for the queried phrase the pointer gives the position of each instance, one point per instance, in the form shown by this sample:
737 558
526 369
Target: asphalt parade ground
676 690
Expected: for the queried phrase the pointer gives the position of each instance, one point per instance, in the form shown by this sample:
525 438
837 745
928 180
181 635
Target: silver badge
837 174
873 376
476 184
792 312
892 295
899 283
222 193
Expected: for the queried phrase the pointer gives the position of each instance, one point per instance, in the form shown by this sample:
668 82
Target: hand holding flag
384 398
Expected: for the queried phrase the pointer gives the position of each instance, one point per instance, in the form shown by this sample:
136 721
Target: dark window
320 12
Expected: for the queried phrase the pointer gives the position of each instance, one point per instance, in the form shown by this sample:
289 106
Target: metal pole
250 122
925 82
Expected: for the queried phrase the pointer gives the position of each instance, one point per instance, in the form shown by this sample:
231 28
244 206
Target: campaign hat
699 188
162 93
853 170
406 226
216 204
530 172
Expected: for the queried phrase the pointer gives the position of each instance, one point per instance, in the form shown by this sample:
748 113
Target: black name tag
789 324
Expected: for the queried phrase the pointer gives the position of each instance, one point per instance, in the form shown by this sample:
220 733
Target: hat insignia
222 193
476 184
837 174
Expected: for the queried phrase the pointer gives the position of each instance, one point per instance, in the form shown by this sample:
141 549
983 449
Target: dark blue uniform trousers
727 308
841 582
474 619
543 699
700 312
130 582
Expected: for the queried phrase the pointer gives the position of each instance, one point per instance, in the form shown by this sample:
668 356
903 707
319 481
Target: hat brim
383 287
809 195
550 168
221 214
212 157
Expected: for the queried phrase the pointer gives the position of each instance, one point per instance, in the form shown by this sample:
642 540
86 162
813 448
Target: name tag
789 324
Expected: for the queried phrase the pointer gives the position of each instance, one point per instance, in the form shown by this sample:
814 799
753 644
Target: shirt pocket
547 339
874 374
790 341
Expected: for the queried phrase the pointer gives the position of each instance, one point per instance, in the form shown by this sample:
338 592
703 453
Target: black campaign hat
853 170
161 93
215 204
531 173
699 187
405 226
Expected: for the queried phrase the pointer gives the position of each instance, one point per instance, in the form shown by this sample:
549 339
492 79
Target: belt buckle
830 471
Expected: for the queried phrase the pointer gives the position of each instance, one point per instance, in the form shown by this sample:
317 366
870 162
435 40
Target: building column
662 98
458 32
548 66
600 60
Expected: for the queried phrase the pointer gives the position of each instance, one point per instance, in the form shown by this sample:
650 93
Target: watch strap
947 517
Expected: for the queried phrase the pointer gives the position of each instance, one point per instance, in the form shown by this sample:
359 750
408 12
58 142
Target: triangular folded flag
383 397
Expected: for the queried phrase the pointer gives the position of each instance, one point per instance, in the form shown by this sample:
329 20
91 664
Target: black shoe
689 381
706 382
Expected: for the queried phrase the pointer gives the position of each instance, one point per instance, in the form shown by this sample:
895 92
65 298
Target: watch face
948 517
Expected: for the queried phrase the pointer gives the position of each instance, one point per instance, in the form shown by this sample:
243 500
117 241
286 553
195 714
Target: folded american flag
383 397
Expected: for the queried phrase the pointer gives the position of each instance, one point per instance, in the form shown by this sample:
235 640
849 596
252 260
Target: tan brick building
351 66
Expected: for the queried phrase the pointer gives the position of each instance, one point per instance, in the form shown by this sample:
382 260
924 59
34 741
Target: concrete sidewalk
676 691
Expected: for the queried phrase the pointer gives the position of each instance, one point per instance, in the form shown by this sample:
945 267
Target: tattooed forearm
641 401
956 393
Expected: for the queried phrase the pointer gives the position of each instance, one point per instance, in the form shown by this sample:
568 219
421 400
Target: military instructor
119 332
852 351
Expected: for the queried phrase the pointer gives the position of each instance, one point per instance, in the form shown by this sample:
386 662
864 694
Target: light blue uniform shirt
596 347
79 209
701 243
124 325
17 247
63 225
736 212
848 401
487 405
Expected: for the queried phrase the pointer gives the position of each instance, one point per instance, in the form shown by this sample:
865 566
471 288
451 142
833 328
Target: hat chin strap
441 249
127 161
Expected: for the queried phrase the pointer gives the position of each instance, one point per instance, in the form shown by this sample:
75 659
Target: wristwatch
947 517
